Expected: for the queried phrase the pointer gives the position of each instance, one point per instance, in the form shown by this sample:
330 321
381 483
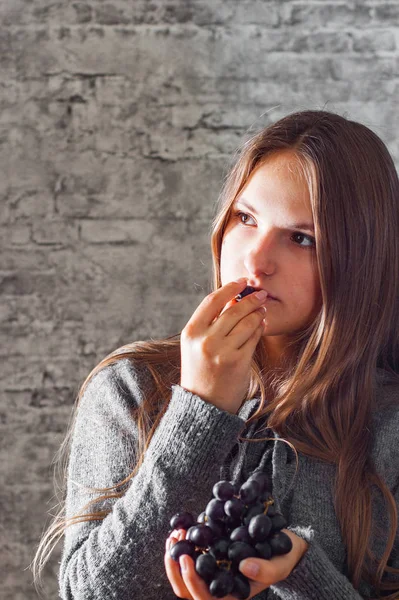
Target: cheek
313 291
229 253
307 291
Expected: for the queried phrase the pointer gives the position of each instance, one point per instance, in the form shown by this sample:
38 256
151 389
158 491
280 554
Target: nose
261 256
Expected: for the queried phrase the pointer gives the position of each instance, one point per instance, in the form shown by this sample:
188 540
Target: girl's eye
299 238
239 215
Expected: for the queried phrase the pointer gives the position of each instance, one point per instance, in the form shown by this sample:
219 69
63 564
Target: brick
38 449
21 12
387 14
24 282
22 202
17 314
28 374
24 414
83 12
51 233
328 14
168 144
374 41
357 67
23 515
322 41
109 14
110 231
20 235
16 258
201 13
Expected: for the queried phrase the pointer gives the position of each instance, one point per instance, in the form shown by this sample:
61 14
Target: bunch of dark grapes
238 523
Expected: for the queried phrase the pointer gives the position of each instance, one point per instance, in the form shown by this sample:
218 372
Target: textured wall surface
118 120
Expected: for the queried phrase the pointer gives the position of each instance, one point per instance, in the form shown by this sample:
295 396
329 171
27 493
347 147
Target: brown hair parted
315 405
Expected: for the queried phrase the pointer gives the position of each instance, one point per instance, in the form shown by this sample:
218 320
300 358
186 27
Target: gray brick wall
118 120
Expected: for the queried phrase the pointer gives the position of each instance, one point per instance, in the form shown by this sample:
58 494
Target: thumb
250 567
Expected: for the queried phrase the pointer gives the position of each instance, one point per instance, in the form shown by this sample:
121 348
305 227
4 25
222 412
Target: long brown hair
325 402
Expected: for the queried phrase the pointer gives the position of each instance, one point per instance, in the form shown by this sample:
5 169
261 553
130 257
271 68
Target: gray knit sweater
194 446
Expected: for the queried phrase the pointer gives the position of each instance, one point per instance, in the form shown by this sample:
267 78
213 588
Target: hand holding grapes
238 523
217 346
186 583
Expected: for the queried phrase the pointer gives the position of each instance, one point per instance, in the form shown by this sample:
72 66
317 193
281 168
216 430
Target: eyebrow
303 225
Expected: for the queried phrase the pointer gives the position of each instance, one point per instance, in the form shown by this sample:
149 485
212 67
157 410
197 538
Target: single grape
220 548
249 492
280 543
223 490
259 527
241 589
215 509
234 508
200 535
222 584
262 479
241 534
231 524
278 522
206 566
182 520
202 518
196 555
238 551
271 509
180 548
252 511
218 528
264 549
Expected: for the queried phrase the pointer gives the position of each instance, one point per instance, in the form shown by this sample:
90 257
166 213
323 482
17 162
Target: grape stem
225 563
267 504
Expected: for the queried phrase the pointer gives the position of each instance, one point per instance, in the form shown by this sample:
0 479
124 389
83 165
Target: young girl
301 383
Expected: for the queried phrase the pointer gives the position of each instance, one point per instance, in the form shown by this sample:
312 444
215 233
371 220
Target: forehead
278 184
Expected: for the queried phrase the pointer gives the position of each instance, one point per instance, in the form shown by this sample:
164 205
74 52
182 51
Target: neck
276 351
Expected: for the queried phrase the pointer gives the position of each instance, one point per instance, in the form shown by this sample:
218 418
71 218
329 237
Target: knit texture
194 446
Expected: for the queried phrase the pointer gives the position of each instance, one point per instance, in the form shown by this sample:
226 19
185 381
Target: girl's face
269 240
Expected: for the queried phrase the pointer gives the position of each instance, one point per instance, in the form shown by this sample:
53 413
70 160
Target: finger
194 583
264 575
212 305
239 317
230 303
247 332
268 571
252 340
172 569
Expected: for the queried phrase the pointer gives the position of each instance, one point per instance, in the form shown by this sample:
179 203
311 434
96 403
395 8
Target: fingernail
249 568
261 294
183 562
241 280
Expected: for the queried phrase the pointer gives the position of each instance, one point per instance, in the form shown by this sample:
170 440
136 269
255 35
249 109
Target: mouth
251 289
269 295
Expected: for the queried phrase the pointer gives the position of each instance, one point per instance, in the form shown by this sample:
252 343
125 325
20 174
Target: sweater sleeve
316 578
121 556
